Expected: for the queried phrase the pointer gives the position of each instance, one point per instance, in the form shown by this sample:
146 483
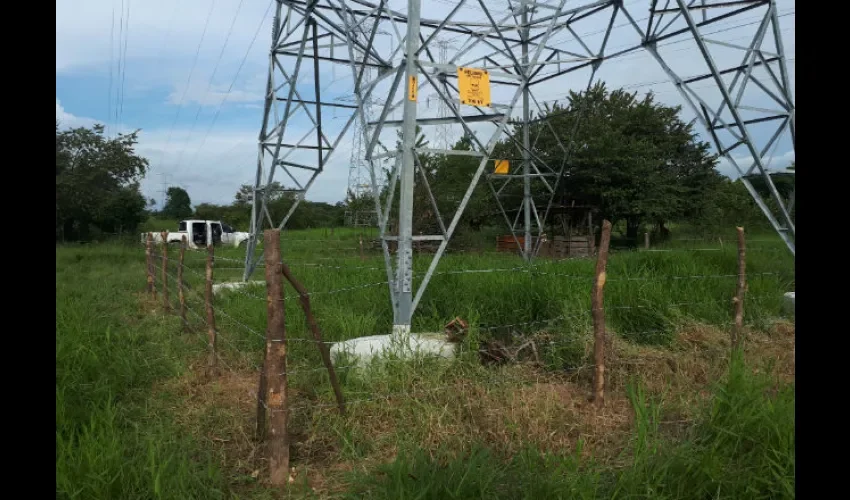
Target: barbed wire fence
239 333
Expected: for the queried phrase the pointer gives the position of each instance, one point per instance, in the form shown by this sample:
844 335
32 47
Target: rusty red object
456 329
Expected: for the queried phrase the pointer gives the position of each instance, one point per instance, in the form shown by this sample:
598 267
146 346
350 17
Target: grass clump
135 418
742 447
108 356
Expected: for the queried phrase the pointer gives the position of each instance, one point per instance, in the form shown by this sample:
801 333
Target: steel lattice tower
524 47
359 182
444 130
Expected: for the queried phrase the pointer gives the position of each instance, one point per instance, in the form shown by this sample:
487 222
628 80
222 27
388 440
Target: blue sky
172 95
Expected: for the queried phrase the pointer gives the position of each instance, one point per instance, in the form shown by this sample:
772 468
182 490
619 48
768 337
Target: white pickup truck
200 233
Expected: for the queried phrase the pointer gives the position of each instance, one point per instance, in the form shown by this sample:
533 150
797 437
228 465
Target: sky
190 75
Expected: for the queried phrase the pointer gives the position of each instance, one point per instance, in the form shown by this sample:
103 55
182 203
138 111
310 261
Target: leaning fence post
165 303
274 364
149 265
208 296
738 331
596 306
180 285
324 350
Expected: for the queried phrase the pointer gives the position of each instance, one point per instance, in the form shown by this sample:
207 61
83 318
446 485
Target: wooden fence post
646 241
180 284
362 257
324 350
208 295
738 331
274 364
165 303
596 306
149 265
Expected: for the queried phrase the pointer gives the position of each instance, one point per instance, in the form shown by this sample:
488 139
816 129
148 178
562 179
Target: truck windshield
182 226
227 229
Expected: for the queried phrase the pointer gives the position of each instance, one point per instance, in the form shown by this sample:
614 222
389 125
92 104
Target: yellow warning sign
474 86
411 88
502 167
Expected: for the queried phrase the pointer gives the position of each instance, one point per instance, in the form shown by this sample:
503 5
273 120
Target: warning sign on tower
412 87
502 167
474 86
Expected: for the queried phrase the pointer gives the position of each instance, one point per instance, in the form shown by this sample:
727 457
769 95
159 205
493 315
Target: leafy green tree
782 181
732 205
245 195
178 205
633 158
450 178
308 215
97 182
364 203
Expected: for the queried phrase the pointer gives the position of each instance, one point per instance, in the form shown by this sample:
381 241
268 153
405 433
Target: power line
168 36
189 80
209 85
124 72
164 190
118 76
111 59
232 83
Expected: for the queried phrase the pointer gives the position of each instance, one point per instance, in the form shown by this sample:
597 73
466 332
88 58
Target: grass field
136 418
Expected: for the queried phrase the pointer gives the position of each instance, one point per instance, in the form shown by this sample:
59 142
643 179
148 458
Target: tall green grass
743 447
648 295
109 354
115 439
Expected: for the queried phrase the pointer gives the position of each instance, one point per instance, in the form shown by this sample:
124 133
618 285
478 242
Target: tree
634 159
177 203
97 182
238 214
245 195
449 179
732 205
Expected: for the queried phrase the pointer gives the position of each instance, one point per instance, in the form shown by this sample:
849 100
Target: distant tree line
309 214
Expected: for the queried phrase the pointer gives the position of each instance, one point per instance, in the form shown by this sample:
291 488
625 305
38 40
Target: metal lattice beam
524 46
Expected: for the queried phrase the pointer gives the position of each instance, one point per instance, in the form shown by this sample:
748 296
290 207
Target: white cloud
774 163
155 29
202 93
68 120
212 170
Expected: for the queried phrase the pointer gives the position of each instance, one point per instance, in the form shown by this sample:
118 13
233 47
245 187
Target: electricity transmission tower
443 130
164 190
508 51
359 182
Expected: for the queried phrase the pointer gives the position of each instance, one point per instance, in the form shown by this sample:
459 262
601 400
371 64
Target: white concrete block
364 349
789 303
217 287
